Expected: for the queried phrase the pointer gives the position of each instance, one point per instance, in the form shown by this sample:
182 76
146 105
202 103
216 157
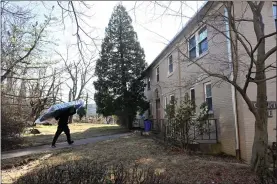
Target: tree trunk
259 160
70 119
130 122
125 120
106 119
259 150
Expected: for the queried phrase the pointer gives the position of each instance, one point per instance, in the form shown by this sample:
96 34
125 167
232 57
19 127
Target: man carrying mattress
63 118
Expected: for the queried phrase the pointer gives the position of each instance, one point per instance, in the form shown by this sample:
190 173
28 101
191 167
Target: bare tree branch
269 53
21 59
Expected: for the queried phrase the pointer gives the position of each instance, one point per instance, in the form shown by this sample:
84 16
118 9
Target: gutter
234 99
276 82
179 70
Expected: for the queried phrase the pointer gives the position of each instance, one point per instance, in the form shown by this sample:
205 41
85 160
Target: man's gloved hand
72 110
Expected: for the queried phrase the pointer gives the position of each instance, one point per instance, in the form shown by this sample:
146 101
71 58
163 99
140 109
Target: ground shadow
39 139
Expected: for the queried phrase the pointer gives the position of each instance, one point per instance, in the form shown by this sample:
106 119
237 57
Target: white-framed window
202 40
172 99
192 47
148 83
165 102
157 74
269 113
198 43
150 109
274 8
208 95
172 102
170 64
192 97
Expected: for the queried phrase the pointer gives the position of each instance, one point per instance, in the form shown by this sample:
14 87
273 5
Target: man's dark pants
61 129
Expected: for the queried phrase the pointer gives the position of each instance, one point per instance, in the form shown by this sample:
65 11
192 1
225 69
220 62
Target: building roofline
176 36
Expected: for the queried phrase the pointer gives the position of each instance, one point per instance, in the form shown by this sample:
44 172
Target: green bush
203 112
182 127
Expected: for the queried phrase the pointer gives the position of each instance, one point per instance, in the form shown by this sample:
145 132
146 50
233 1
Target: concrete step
206 141
207 148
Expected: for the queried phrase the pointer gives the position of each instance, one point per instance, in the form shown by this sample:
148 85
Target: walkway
47 148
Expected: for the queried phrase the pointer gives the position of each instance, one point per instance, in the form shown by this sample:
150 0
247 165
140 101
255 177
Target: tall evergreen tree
118 88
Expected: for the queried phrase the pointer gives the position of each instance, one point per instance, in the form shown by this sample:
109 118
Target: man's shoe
53 146
71 142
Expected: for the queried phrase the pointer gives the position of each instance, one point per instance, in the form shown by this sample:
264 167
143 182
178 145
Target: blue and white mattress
56 109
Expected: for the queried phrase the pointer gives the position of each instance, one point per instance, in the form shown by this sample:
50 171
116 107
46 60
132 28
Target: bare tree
21 38
37 93
27 81
79 72
84 38
22 43
44 92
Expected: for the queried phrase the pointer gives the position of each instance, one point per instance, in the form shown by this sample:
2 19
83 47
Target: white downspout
179 72
234 100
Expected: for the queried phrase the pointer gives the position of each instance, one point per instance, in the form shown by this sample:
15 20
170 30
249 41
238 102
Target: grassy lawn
77 131
145 151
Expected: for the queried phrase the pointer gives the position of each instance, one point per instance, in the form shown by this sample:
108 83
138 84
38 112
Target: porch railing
208 131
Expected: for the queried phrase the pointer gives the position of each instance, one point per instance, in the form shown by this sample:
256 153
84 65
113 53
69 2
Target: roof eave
177 36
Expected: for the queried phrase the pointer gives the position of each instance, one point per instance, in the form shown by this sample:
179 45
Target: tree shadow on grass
37 140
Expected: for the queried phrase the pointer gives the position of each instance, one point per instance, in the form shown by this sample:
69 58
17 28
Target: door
158 115
158 109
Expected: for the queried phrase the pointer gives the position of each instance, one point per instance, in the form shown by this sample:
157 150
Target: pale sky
147 22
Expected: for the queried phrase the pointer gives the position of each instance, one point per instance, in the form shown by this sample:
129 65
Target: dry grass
19 161
30 162
77 130
144 151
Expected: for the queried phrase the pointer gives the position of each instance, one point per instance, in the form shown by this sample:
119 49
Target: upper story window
208 96
202 40
275 14
157 74
165 102
198 43
148 83
192 97
170 64
192 48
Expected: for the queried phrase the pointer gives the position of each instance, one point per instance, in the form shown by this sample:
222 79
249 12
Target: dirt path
47 148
